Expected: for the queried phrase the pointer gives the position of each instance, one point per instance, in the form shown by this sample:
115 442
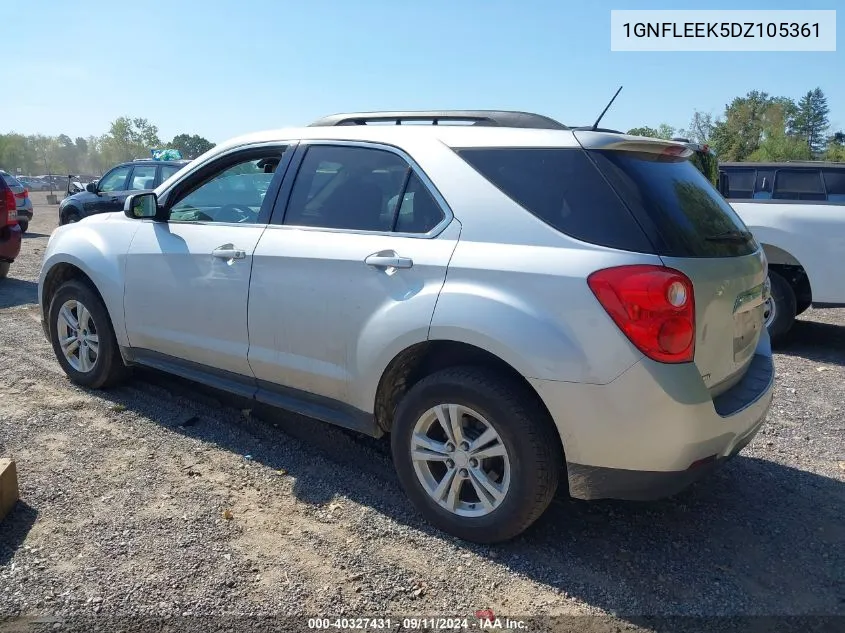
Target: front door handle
382 260
228 252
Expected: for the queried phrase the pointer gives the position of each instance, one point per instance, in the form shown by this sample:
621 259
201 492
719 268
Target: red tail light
23 194
8 207
653 305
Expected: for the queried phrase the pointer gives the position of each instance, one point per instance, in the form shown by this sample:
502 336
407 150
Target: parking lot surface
163 498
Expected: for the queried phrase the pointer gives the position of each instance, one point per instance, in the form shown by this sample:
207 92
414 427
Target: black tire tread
530 420
784 298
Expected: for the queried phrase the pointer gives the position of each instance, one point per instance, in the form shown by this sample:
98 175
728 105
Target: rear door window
143 177
740 183
680 209
798 184
564 189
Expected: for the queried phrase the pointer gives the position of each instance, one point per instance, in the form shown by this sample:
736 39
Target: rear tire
92 359
782 310
4 269
802 306
24 224
524 472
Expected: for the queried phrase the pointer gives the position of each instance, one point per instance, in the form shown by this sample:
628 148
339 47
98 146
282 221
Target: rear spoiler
623 142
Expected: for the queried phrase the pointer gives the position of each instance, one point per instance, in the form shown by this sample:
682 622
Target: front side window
359 188
143 177
115 180
798 184
234 193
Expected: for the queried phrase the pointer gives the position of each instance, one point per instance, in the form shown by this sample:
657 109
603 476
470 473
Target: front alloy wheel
78 337
460 460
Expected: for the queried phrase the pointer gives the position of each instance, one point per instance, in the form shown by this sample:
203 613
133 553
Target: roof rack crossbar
495 118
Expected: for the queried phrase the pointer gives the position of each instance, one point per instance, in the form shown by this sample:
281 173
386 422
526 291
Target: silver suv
516 303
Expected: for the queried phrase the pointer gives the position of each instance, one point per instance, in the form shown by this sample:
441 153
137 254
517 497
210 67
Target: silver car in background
515 302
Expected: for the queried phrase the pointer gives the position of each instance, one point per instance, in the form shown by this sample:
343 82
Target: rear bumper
655 429
10 243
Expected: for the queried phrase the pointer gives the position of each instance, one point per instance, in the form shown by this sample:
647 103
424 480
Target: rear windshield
564 189
680 210
640 202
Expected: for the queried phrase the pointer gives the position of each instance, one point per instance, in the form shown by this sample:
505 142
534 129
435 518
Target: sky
222 68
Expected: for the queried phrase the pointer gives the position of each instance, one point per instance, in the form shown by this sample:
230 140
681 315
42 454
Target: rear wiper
730 236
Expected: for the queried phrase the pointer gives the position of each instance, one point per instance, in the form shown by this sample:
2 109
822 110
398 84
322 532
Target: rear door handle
228 252
378 260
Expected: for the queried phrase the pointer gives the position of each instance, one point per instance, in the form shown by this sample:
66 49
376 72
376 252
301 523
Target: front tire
477 455
69 217
82 337
780 309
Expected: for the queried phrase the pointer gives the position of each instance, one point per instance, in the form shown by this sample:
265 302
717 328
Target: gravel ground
163 499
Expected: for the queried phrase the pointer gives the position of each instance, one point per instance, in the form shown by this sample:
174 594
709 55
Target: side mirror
724 187
142 206
91 187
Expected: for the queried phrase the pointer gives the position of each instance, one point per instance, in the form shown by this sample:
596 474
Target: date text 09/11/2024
482 622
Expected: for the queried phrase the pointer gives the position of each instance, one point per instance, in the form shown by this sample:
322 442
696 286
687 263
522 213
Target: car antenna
606 108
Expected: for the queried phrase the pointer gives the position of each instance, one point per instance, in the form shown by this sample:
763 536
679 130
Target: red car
10 232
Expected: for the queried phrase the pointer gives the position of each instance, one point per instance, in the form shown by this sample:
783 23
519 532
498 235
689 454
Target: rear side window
834 181
563 188
798 184
676 204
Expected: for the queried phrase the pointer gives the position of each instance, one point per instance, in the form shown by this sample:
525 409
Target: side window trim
283 197
232 157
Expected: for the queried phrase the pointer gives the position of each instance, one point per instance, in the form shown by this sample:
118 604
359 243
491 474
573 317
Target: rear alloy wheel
780 309
476 454
82 337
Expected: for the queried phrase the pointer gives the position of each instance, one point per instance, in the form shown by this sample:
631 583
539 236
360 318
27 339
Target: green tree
191 145
811 119
739 134
835 147
700 128
128 139
643 131
777 143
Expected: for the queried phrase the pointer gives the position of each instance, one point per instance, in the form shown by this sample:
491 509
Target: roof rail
494 118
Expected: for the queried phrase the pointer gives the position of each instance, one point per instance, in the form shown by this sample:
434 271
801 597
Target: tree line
756 127
761 127
128 138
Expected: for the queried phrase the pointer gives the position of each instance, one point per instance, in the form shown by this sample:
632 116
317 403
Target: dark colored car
108 194
10 232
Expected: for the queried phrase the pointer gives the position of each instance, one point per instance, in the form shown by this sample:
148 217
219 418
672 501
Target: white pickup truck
796 210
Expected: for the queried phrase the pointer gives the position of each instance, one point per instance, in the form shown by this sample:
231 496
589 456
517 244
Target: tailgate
729 297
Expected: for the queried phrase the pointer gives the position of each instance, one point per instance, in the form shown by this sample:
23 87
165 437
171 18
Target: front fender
97 247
